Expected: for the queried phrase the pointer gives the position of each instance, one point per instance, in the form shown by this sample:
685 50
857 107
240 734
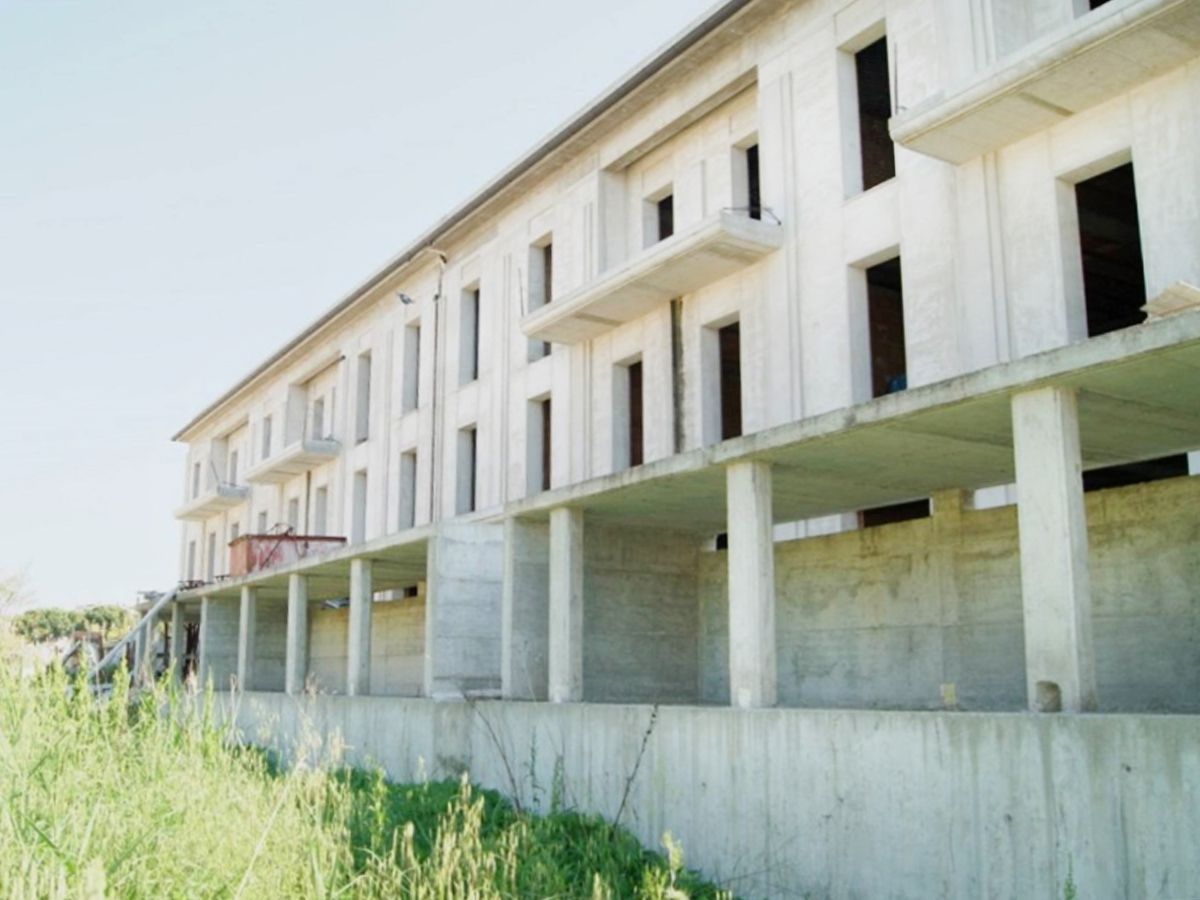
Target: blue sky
185 186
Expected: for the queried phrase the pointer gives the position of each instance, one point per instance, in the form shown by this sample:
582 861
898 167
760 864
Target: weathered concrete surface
837 804
886 616
397 648
270 644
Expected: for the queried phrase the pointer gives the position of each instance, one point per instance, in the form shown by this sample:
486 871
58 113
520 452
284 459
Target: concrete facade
805 368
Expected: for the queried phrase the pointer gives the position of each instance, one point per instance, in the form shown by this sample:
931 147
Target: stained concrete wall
884 617
397 647
219 642
270 644
836 804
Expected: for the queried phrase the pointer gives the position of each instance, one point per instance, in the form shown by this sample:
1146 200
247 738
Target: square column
296 655
565 662
247 627
358 650
752 678
178 641
1052 525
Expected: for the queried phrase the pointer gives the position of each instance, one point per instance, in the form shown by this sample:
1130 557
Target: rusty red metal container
255 552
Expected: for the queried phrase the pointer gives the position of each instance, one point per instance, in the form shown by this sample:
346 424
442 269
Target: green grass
151 799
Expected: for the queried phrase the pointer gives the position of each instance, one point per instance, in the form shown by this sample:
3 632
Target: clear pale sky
184 186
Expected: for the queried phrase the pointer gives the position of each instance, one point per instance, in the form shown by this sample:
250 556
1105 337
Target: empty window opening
293 514
262 522
896 512
233 467
411 397
729 347
753 186
358 528
885 327
408 490
318 419
266 437
874 108
1096 4
320 513
210 569
538 446
466 481
541 288
191 561
411 591
468 324
666 217
195 480
1136 473
637 453
362 414
546 444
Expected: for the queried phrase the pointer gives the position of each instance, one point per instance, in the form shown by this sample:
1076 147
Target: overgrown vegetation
49 624
150 798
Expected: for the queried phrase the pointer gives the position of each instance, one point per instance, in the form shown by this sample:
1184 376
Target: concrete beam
1052 525
358 649
752 673
565 662
296 661
247 626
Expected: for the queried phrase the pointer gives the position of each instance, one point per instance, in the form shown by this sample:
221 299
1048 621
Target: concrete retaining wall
884 617
837 804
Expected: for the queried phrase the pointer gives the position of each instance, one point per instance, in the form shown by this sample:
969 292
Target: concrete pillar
296 658
565 662
358 650
178 641
143 658
204 642
1055 585
752 679
247 632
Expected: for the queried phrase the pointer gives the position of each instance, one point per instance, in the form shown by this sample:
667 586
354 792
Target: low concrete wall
884 617
811 803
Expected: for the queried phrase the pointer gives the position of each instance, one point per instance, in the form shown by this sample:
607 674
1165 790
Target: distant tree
108 621
41 625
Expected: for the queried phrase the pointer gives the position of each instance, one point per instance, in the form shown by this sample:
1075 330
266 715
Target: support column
566 606
358 650
143 653
296 660
178 641
247 627
1052 523
204 643
752 678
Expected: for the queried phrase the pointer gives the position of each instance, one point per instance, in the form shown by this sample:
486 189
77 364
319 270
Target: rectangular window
729 347
885 326
1114 288
468 332
320 513
262 522
191 561
235 532
293 514
753 186
362 409
358 529
233 467
195 480
874 109
210 570
412 368
266 437
318 419
466 481
636 439
541 287
408 490
666 217
658 216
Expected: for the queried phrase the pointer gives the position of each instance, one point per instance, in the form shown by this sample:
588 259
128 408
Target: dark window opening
885 325
722 541
874 109
666 217
547 286
1110 242
410 591
1096 4
546 445
470 337
729 342
636 440
753 186
1136 473
897 512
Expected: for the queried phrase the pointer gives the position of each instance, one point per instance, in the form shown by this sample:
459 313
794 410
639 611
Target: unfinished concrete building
842 360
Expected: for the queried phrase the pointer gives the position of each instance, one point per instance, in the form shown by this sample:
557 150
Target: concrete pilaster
565 662
1052 524
358 650
296 661
752 673
247 626
178 641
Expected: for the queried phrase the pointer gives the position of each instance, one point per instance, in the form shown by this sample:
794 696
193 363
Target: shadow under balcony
213 500
294 459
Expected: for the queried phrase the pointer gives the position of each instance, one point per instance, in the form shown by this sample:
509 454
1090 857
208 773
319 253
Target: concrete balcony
213 500
294 459
718 246
1101 54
